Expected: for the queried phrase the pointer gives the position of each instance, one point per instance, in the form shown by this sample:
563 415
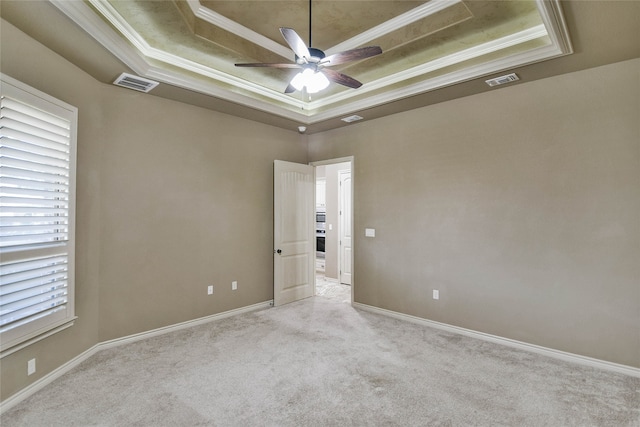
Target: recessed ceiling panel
332 21
426 45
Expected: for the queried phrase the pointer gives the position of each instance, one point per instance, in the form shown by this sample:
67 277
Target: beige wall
187 200
521 206
171 198
36 66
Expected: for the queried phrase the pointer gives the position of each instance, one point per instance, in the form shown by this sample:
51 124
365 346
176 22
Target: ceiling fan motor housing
316 56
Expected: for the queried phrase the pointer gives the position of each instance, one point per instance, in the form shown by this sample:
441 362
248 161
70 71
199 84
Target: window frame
31 331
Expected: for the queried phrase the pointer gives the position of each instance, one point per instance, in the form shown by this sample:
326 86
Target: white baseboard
189 323
46 380
556 354
58 372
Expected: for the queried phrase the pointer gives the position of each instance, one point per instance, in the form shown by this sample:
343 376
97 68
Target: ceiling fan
313 62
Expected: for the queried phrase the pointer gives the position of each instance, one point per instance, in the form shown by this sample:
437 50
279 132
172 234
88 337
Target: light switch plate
370 232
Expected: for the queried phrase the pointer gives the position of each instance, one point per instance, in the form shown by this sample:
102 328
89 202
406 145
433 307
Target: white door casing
294 238
346 234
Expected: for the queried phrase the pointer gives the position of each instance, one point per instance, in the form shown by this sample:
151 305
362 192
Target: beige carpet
320 362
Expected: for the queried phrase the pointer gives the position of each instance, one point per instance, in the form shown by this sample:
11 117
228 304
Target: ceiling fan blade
351 55
295 43
260 64
342 79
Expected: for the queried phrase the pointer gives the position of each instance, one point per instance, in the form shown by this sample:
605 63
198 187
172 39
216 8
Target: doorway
334 220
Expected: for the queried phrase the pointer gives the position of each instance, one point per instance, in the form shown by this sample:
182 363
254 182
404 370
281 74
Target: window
37 214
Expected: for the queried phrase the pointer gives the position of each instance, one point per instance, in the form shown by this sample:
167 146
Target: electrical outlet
31 367
210 290
436 294
234 285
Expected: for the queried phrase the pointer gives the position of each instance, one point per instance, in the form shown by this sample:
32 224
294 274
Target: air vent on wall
350 119
134 82
502 80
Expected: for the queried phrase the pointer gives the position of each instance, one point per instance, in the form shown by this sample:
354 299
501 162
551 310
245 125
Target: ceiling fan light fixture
314 81
313 61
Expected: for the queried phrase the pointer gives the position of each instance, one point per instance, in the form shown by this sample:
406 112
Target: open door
293 226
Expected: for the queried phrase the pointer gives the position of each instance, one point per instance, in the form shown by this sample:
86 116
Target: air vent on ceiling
134 82
353 118
502 80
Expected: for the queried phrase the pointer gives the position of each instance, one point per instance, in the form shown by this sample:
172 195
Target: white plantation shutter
33 288
37 191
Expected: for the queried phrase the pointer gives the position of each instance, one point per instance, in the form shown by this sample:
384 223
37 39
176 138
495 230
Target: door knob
279 251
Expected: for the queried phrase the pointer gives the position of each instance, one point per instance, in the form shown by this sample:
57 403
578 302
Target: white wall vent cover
502 80
134 82
350 119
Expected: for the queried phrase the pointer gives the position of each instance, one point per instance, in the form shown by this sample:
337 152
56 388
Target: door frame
341 223
351 161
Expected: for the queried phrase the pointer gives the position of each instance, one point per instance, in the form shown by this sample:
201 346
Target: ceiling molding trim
467 54
86 19
178 80
120 24
514 61
131 54
233 27
553 18
109 38
445 61
220 76
554 27
393 24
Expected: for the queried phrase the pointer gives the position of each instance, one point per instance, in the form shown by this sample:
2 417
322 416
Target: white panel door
294 233
345 257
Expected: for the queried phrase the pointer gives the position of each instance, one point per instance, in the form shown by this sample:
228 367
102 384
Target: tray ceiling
194 44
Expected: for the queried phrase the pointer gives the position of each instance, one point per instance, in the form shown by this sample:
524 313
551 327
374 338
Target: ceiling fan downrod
310 24
315 75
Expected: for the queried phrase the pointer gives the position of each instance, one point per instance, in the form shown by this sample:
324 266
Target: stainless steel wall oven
321 220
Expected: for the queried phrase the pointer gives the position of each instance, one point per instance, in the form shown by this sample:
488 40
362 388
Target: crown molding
233 27
445 61
159 55
553 19
86 19
147 61
101 31
466 74
393 24
416 14
177 79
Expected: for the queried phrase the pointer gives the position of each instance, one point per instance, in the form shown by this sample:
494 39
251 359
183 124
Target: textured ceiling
173 27
201 41
191 46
